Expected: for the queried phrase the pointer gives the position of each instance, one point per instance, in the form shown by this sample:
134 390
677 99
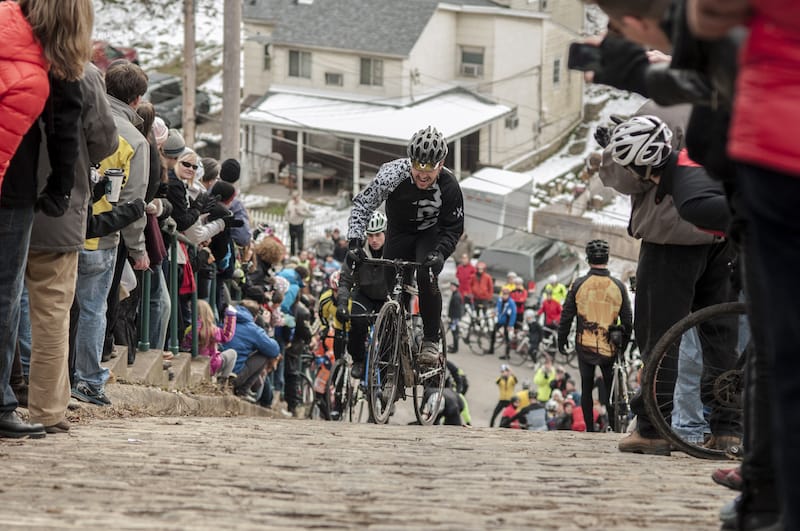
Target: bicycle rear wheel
687 395
338 391
307 398
426 405
620 400
384 362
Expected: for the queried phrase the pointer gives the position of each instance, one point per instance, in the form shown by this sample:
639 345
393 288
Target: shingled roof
388 27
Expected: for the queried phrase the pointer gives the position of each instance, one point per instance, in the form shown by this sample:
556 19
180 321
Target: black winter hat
229 172
224 190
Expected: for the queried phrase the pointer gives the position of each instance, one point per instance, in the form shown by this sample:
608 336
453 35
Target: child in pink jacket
209 335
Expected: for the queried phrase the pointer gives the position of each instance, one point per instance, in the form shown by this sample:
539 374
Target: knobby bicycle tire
661 370
384 362
620 402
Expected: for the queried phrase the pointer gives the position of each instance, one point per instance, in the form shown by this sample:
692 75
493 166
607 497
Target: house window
371 71
556 72
543 5
471 61
299 64
335 79
267 57
512 120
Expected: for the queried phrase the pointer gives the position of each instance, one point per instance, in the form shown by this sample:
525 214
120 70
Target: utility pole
189 73
231 79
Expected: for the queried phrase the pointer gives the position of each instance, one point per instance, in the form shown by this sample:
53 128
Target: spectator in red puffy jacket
23 80
551 309
482 287
36 34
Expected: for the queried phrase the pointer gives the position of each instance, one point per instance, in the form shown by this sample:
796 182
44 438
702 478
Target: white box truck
496 203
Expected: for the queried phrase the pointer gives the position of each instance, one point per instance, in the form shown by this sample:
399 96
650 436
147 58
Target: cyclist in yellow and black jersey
327 314
367 290
599 301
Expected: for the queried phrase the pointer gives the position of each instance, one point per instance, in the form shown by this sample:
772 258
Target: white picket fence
324 218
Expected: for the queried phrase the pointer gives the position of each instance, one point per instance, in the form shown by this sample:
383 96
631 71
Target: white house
345 83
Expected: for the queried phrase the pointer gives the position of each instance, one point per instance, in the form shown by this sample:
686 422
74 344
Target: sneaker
428 356
722 442
728 477
59 427
83 392
728 514
637 444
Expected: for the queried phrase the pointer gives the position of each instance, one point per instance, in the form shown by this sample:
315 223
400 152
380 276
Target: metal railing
174 297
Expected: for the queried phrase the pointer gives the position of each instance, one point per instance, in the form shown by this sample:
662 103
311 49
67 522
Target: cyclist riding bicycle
367 290
599 301
425 213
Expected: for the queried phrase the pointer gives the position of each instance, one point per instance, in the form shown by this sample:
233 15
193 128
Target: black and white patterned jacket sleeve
389 176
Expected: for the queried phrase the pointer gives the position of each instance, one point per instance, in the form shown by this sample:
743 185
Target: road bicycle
392 366
721 333
312 407
477 326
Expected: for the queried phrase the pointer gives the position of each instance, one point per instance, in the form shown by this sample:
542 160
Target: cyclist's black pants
673 280
359 325
416 246
587 384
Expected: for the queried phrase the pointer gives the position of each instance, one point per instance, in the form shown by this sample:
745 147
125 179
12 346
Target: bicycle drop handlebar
395 262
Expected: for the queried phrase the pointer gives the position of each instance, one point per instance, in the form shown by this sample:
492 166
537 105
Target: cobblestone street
249 473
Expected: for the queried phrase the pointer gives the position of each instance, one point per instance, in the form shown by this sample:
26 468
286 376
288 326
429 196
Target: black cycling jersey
410 210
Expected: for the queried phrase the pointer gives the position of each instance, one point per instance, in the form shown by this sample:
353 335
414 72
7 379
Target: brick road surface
256 473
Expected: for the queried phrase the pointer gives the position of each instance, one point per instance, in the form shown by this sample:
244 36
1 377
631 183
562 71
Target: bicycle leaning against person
599 301
425 218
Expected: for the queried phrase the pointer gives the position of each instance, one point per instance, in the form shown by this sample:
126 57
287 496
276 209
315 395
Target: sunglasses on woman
189 165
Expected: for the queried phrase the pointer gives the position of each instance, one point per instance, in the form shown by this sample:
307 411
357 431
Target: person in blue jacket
506 317
254 348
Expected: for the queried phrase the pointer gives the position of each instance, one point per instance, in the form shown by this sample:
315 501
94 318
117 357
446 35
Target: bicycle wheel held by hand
692 381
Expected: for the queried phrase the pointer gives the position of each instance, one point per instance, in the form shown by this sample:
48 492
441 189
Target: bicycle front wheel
620 401
383 371
427 404
692 380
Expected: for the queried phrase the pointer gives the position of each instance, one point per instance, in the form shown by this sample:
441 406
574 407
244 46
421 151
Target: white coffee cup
115 177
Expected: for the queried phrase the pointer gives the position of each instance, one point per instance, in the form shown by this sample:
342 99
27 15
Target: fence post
194 319
144 340
173 295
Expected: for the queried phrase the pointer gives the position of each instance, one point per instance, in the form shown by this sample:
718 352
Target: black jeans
296 233
673 280
416 246
501 404
587 385
249 373
497 327
771 202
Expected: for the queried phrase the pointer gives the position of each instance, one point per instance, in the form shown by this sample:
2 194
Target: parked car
532 257
164 91
104 53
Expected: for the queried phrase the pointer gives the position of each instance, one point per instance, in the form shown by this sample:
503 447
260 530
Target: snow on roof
454 113
496 181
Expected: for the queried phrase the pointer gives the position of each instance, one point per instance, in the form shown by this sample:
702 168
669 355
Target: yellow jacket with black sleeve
327 310
133 157
598 300
506 386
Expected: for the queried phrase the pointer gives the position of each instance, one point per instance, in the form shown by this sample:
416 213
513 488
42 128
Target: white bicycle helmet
377 223
641 141
333 280
427 146
529 315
